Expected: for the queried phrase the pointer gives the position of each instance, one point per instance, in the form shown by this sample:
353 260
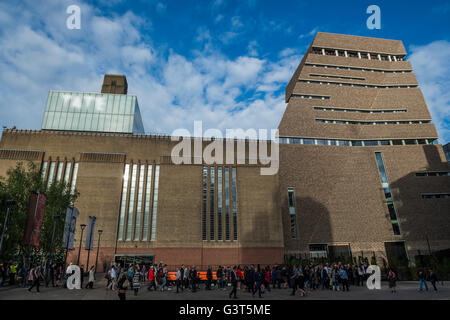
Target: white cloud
38 54
431 64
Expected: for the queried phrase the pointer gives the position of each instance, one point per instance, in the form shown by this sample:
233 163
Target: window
211 203
67 172
59 171
148 190
233 187
74 178
204 201
131 204
137 224
123 201
51 172
219 203
44 170
292 213
318 251
155 204
387 194
227 203
436 196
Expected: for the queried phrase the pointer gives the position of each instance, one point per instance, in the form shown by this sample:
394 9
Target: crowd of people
256 280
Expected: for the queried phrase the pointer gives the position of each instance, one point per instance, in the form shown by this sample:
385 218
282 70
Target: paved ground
406 291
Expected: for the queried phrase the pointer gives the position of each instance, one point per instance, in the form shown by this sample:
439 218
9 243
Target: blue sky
224 62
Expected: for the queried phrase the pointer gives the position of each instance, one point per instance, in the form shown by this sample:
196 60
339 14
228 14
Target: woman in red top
239 277
151 279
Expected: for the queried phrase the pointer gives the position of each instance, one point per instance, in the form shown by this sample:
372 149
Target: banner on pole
69 228
35 217
89 244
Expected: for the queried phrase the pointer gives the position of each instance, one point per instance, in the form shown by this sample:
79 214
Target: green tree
18 185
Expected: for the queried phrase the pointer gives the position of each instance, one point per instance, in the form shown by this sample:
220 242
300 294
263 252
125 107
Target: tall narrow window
137 224
204 201
67 172
148 190
219 203
123 204
211 202
388 194
227 203
131 204
233 188
74 178
59 171
44 170
292 213
51 172
155 204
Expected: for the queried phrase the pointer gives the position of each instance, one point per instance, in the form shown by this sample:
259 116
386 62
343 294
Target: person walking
35 277
433 279
209 277
122 285
219 274
234 282
194 279
257 280
239 276
112 279
392 278
186 276
344 278
179 279
91 278
422 275
136 280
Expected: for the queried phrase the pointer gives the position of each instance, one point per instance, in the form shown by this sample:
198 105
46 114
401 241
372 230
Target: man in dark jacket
209 277
194 279
233 283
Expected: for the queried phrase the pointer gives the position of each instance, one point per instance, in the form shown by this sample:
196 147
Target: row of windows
334 77
356 143
310 96
388 194
371 122
433 174
356 54
356 68
346 84
436 196
360 110
222 193
61 171
141 178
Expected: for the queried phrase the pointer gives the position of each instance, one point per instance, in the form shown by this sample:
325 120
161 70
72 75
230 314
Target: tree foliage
18 185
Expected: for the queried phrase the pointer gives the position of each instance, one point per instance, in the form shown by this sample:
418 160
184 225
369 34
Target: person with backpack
392 278
36 275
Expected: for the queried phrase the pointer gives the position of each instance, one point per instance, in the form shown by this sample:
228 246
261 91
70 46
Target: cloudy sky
223 62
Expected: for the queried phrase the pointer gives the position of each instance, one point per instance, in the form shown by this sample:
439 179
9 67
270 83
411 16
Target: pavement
406 290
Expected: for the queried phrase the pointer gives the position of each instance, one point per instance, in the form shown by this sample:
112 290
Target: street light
98 247
9 205
81 238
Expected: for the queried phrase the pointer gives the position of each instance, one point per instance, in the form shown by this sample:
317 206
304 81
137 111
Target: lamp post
81 238
9 205
98 247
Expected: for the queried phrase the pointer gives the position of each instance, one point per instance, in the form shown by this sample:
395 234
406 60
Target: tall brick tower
361 173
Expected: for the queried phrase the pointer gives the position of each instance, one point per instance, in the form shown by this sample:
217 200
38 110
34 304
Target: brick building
360 169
